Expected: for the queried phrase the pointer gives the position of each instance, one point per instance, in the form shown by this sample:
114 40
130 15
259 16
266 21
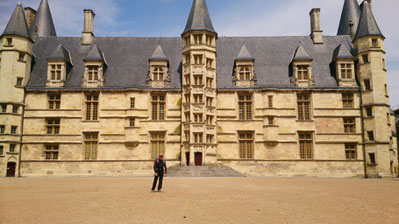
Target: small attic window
303 72
9 42
92 73
245 73
55 72
374 43
346 71
158 73
21 57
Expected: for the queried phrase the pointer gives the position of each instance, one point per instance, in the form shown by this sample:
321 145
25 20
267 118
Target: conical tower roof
17 24
367 24
244 54
301 54
350 12
199 18
158 55
60 53
342 52
43 22
95 54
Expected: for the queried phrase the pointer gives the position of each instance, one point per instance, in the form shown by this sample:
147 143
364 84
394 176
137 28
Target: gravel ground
198 200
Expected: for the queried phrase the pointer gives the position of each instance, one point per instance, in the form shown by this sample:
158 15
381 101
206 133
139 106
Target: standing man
159 172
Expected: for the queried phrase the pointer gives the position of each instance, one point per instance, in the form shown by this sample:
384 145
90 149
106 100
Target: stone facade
196 101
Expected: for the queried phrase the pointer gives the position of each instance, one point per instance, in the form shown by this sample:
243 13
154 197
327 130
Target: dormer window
158 75
95 65
346 71
302 69
245 73
345 66
244 69
303 72
57 67
92 72
56 70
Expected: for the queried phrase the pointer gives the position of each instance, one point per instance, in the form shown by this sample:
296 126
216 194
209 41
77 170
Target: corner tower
199 88
43 25
15 64
372 77
349 18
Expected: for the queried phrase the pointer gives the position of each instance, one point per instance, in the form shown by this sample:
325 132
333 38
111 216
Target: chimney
317 33
352 29
88 28
29 16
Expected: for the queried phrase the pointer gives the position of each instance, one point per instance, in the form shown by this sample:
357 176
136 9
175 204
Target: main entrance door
11 169
198 158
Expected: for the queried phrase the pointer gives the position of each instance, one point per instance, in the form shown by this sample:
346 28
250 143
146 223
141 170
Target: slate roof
301 54
43 21
244 54
342 52
367 24
17 24
61 53
95 54
158 55
199 18
350 12
128 60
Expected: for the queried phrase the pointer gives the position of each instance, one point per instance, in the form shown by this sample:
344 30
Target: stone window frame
209 119
157 143
54 101
93 76
158 106
370 157
198 117
370 136
351 151
346 70
210 138
90 144
8 42
92 106
12 148
198 80
22 57
56 73
4 108
246 144
306 147
304 106
349 125
19 82
367 85
53 126
347 100
51 151
197 39
198 59
245 106
198 137
158 74
132 122
209 83
270 101
302 73
369 112
15 109
13 129
1 150
132 102
198 98
2 129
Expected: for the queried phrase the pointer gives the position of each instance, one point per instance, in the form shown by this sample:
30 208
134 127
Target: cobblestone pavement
198 200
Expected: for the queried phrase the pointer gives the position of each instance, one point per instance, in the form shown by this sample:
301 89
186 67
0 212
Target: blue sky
230 18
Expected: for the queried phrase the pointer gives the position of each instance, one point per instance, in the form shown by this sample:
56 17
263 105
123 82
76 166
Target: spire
43 22
301 54
17 24
244 54
199 18
61 53
95 54
341 52
350 12
158 55
367 24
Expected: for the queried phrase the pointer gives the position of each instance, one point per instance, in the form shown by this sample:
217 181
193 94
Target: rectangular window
304 107
209 63
1 150
15 109
14 130
198 80
367 85
370 134
306 145
19 82
53 126
197 118
245 107
197 39
209 83
346 71
245 73
158 73
209 139
198 137
347 100
198 98
56 72
303 72
12 147
131 122
209 120
187 98
132 103
270 101
4 108
158 107
271 120
365 58
209 101
369 111
187 116
9 42
54 101
92 73
187 58
91 143
374 42
372 158
350 151
386 90
21 57
187 40
349 125
246 143
388 119
157 144
209 40
91 107
187 79
2 129
51 152
198 59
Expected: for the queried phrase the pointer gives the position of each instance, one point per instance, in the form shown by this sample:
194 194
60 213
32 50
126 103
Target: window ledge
372 117
86 121
21 61
12 153
372 164
132 127
366 91
19 87
304 120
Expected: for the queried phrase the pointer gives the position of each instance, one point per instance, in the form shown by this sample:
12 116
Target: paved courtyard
198 200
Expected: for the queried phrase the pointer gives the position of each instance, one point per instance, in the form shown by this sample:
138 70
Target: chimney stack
29 16
317 33
88 28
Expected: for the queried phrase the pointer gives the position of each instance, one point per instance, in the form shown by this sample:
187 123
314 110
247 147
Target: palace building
311 105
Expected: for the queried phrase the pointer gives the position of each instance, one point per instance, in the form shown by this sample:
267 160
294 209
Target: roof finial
19 2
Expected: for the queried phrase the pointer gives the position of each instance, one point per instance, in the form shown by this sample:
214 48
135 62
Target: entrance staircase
203 171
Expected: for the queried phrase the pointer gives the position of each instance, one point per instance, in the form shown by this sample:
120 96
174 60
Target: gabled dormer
58 66
244 71
344 67
302 68
95 65
158 72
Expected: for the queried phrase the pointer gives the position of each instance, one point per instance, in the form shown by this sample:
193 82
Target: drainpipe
21 134
363 138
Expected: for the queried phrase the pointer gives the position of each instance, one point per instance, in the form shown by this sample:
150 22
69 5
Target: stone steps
203 171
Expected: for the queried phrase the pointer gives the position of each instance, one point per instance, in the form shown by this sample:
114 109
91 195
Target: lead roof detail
61 53
244 54
17 24
199 18
341 52
367 24
95 54
158 55
43 22
350 12
301 54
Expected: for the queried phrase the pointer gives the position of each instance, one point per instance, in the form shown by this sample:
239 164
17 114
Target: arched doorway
11 169
198 158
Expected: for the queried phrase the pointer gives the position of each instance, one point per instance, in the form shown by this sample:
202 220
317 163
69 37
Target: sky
166 18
